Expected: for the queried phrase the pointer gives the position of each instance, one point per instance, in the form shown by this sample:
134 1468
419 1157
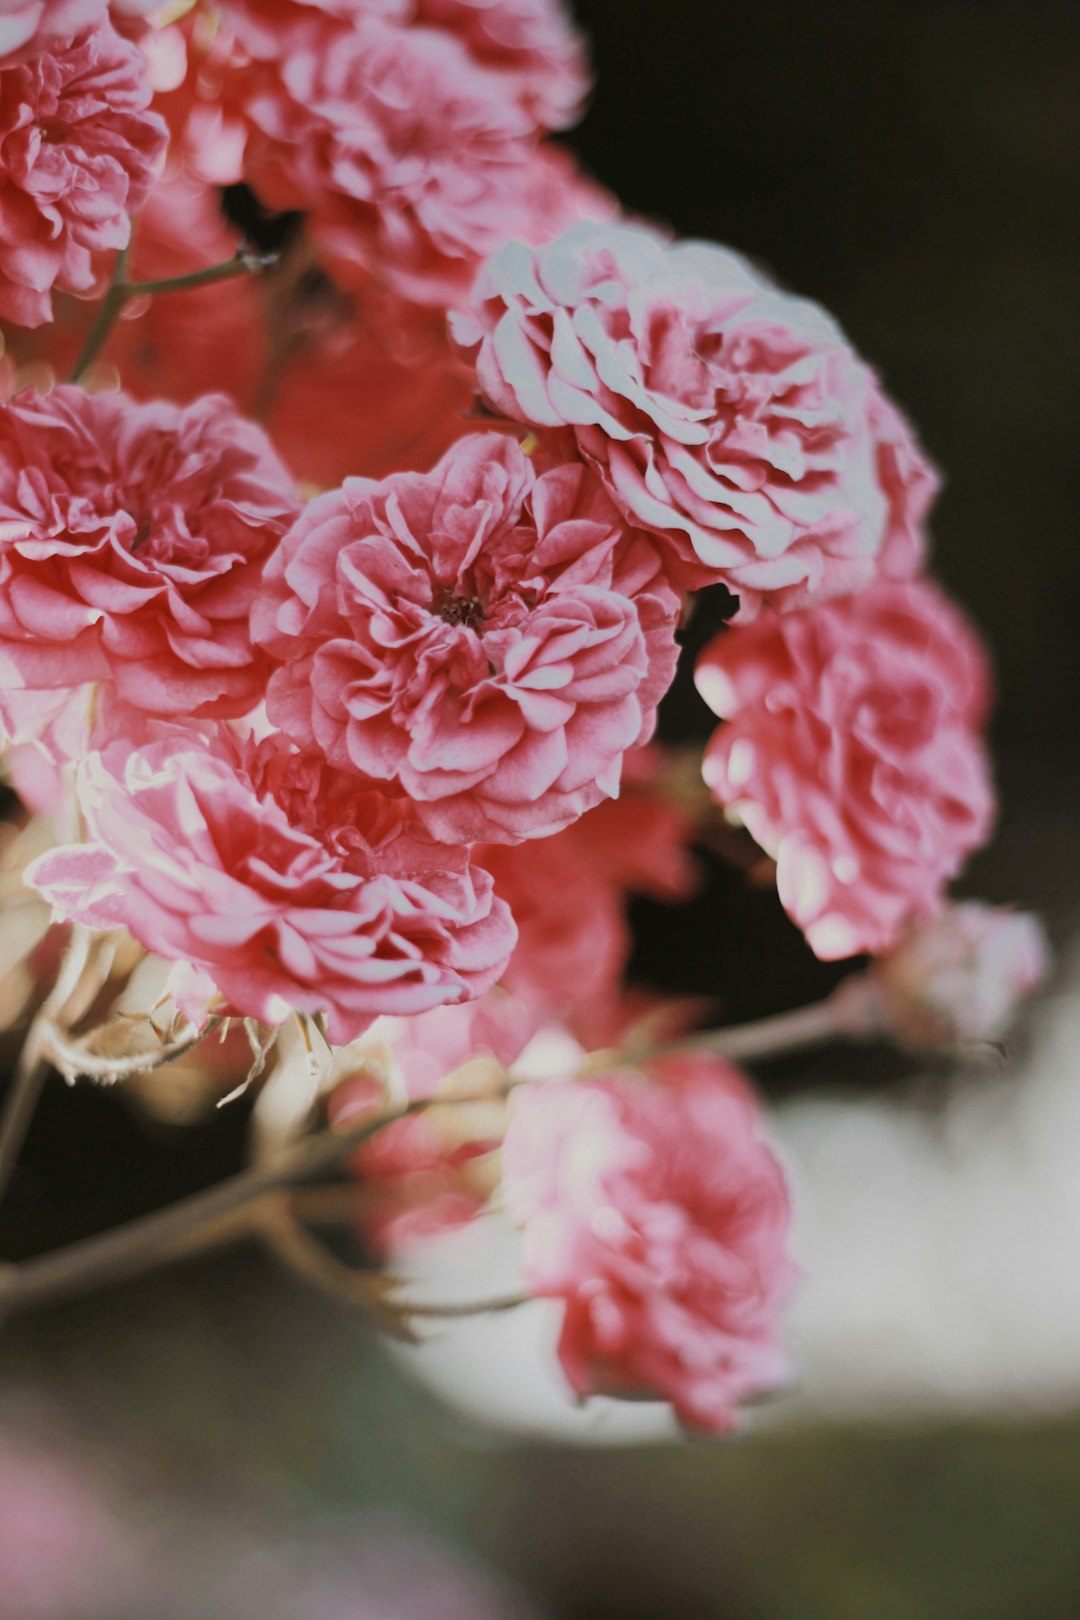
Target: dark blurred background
915 167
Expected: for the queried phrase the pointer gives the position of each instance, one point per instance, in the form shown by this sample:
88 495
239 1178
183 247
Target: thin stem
371 1291
244 262
233 1205
171 1233
108 311
849 1013
28 1081
20 1105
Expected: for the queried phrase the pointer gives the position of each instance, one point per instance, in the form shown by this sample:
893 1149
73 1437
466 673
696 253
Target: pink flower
486 638
562 969
429 1174
78 152
658 1216
961 976
285 885
26 22
410 407
530 43
408 156
852 752
132 541
727 416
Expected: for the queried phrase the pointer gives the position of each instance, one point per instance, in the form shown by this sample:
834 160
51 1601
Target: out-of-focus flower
853 754
431 1173
408 134
654 1210
487 639
636 844
729 417
63 1555
289 888
132 541
28 24
530 43
366 386
408 157
79 148
962 975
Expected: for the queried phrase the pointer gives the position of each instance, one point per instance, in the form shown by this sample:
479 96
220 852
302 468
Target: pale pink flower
79 148
726 415
132 542
962 975
285 885
656 1213
487 638
853 753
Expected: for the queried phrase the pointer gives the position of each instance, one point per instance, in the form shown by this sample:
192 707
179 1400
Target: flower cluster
342 571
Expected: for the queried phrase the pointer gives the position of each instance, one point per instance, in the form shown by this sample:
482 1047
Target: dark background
916 168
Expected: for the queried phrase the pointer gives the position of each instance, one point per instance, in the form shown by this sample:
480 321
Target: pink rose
656 1213
725 415
26 22
636 844
285 885
413 403
852 750
487 638
961 976
429 1173
79 148
132 542
408 157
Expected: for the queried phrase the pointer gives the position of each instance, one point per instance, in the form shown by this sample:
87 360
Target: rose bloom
569 961
531 43
408 157
655 1212
961 976
731 418
27 24
79 148
284 885
413 397
853 754
487 638
431 1173
132 542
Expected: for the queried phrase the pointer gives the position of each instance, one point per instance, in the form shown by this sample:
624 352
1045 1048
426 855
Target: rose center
466 610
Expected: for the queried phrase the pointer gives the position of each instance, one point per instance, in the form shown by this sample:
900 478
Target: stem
32 1068
181 1228
233 1207
371 1291
109 309
849 1013
244 262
